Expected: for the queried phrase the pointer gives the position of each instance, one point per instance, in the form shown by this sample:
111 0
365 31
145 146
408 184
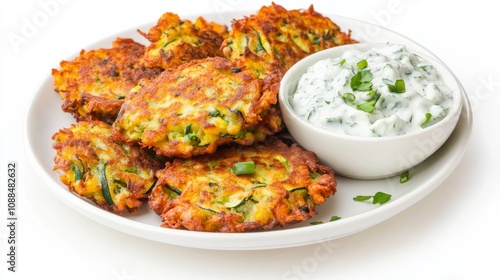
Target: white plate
45 117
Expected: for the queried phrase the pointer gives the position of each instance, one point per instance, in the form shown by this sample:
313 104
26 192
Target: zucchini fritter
242 188
199 106
116 176
274 38
175 41
94 84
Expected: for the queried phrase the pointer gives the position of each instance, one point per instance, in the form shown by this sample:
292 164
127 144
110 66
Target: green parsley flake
378 198
334 218
362 81
369 106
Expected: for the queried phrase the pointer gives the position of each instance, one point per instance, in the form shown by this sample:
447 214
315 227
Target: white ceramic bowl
367 157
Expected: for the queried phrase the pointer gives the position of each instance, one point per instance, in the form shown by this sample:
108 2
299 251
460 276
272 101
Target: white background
452 234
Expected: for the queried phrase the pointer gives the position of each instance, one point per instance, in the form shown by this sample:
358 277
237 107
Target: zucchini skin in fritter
274 38
204 194
95 83
175 41
116 176
199 106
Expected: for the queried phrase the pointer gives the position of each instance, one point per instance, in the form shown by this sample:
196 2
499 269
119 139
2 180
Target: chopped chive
398 87
362 64
427 119
404 177
243 168
348 97
316 223
342 62
362 197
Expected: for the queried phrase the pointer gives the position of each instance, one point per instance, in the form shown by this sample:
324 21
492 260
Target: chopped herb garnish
334 218
378 198
369 106
243 168
381 198
362 81
427 119
404 177
362 64
348 97
398 87
362 197
342 62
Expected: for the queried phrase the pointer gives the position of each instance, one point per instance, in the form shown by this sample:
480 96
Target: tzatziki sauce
386 91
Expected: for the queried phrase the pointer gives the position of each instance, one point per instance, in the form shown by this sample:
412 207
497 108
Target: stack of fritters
204 99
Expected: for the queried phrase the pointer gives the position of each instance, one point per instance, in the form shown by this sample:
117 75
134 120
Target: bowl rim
299 68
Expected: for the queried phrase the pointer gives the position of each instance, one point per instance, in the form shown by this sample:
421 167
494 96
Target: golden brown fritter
116 176
199 106
242 188
94 84
274 38
175 41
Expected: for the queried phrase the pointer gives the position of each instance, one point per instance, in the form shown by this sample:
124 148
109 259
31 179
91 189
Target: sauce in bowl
384 91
